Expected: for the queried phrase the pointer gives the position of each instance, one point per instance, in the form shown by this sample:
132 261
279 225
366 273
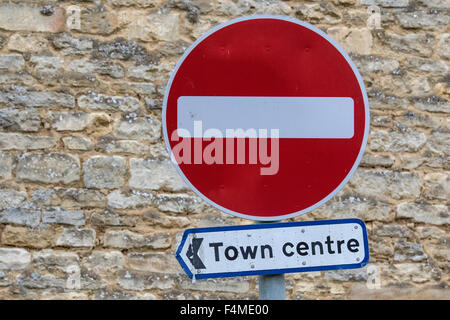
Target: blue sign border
270 226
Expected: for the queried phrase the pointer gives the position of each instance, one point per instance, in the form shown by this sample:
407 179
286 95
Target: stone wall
90 205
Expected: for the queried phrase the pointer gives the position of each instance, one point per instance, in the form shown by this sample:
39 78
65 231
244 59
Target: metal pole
272 286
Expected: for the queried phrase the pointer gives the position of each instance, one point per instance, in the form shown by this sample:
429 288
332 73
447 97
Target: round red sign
266 117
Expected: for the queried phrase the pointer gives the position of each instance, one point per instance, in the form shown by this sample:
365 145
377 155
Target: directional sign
273 248
266 117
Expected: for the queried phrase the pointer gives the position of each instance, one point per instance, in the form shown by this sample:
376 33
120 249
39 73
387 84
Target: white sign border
361 85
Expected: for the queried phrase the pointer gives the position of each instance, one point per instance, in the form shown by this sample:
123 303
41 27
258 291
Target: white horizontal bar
294 117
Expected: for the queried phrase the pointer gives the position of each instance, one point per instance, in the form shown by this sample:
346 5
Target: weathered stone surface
347 275
159 151
38 238
438 142
45 67
381 247
4 281
150 72
16 141
69 121
21 17
117 294
70 45
235 285
119 200
368 64
404 251
437 186
422 20
104 261
386 184
429 232
61 216
10 198
440 252
77 143
138 88
22 97
34 280
14 259
11 62
132 127
432 104
386 3
89 67
153 217
154 175
84 198
372 160
13 119
98 20
410 272
72 237
142 280
20 216
158 26
180 203
384 101
204 6
358 292
427 65
104 172
123 49
397 141
6 165
416 119
394 231
128 3
53 167
443 46
21 78
424 212
95 101
69 198
314 13
52 260
404 85
420 44
30 42
348 206
411 161
352 40
153 262
110 218
109 145
127 240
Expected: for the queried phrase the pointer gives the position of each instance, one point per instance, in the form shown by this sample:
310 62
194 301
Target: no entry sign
266 117
273 248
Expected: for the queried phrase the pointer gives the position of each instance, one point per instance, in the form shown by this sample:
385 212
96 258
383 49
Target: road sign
266 117
273 248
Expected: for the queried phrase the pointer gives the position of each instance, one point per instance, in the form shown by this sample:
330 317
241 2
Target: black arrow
192 253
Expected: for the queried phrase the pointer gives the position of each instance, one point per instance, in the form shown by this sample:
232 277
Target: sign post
272 286
266 118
